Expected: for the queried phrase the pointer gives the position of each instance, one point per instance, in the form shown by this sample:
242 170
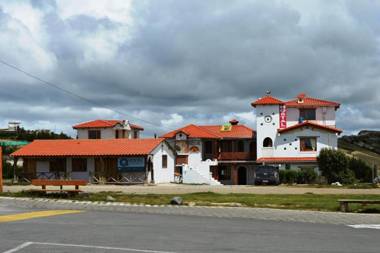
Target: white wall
323 115
163 175
288 144
106 133
264 129
44 166
84 175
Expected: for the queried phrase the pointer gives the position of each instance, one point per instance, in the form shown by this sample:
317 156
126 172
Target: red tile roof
311 124
104 124
100 147
192 131
213 132
310 102
267 100
286 159
237 131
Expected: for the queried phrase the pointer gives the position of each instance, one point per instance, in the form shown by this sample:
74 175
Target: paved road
113 231
182 189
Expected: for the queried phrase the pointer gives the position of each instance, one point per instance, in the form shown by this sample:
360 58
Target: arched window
267 143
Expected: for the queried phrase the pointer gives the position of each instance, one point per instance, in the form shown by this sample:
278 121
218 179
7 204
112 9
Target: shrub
304 176
309 175
288 176
333 165
362 171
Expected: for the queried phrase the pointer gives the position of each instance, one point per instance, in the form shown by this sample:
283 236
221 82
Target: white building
119 161
214 154
292 133
108 129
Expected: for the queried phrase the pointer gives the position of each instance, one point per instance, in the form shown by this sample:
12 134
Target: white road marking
372 226
21 246
26 244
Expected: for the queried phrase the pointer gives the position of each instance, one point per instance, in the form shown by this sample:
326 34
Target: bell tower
267 124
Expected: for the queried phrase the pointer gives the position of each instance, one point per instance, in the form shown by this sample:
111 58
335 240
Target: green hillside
365 146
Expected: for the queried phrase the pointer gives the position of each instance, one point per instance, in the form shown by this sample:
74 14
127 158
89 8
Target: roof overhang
312 125
278 160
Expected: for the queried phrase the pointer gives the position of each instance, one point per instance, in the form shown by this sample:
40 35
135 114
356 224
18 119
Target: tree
334 166
362 171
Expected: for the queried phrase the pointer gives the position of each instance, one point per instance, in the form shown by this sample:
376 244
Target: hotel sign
282 116
131 164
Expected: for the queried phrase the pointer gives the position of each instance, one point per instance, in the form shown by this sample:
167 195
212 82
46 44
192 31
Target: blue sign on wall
131 164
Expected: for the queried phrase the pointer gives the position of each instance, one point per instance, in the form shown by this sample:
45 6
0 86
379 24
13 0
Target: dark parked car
267 175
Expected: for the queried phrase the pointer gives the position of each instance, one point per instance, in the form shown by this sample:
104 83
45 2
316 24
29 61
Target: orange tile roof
267 100
237 131
99 147
213 132
192 131
100 123
310 102
311 124
286 159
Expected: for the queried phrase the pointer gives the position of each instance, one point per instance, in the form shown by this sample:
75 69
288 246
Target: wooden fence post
1 169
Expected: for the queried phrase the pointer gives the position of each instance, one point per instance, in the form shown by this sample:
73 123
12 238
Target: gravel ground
181 189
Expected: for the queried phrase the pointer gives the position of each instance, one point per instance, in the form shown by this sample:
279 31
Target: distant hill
365 145
30 135
368 140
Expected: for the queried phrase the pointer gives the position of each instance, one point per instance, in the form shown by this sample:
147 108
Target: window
79 164
226 146
252 146
181 159
164 161
308 144
267 143
57 165
240 146
94 134
208 147
307 114
135 134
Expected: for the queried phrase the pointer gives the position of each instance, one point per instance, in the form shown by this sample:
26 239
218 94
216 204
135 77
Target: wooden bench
345 202
56 182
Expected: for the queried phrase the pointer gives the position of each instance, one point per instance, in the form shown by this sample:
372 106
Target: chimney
234 122
300 98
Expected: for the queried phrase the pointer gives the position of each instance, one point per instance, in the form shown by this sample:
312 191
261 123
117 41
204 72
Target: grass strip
308 201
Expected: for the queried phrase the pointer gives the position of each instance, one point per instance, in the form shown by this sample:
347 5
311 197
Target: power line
70 93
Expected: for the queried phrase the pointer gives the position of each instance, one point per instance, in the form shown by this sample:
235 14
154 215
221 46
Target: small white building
292 133
111 160
108 129
214 154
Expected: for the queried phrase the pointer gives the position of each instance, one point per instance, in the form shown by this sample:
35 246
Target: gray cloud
176 62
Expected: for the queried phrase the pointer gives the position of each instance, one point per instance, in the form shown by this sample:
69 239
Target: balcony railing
235 156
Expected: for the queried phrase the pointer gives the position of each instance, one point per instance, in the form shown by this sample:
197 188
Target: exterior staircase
193 176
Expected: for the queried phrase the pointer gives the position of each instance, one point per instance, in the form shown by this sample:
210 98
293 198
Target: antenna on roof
268 92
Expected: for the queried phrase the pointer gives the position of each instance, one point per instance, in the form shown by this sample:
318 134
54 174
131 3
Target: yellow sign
226 127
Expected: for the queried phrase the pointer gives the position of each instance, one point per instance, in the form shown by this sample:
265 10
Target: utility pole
1 169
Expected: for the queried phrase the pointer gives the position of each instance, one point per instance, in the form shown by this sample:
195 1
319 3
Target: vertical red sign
282 116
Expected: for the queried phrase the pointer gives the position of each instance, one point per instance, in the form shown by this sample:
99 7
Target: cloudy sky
166 63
